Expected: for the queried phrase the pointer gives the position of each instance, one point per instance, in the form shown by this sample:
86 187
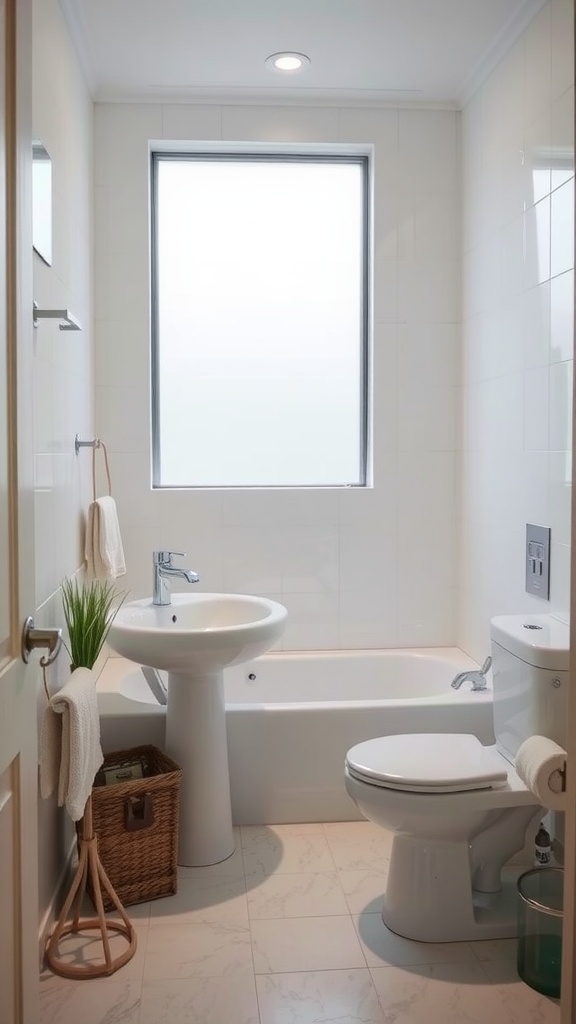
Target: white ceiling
361 51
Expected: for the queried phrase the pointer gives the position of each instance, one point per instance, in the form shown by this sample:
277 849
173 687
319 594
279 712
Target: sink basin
195 638
197 633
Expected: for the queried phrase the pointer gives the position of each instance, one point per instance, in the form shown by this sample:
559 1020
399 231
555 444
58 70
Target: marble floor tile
299 895
523 1004
364 890
91 1002
232 867
288 930
382 946
321 997
495 949
353 853
438 994
305 944
203 950
199 1001
268 852
203 899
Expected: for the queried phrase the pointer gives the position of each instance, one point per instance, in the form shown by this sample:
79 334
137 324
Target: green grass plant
89 610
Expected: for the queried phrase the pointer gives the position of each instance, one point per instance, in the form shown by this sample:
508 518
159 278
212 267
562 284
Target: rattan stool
89 866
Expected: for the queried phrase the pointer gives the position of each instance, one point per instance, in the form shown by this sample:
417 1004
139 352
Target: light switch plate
538 561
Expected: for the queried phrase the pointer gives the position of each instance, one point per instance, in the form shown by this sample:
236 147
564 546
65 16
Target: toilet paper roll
540 763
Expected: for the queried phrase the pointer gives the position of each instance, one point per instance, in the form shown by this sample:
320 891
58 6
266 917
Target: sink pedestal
194 639
196 739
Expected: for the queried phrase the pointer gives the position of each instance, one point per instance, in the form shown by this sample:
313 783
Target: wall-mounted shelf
69 321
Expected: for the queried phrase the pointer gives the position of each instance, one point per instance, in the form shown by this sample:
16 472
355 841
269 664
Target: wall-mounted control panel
538 560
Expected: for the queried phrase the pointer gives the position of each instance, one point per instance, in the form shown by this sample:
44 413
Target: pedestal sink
195 638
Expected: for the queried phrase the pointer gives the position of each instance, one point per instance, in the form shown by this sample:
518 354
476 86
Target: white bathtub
291 717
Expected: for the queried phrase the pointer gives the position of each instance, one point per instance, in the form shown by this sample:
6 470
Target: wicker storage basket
136 823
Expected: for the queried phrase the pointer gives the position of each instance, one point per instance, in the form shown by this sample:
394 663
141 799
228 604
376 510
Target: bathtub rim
112 702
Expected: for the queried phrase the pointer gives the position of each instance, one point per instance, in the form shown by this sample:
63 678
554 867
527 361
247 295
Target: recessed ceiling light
287 61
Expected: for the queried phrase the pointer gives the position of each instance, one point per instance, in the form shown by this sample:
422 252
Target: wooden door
18 728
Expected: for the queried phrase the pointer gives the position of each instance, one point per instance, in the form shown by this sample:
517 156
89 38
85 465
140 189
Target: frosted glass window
260 321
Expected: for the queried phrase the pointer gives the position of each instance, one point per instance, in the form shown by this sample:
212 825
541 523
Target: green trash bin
540 896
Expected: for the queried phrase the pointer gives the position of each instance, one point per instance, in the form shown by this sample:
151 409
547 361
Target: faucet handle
165 557
486 666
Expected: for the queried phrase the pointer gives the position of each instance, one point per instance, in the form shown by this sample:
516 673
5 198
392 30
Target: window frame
287 154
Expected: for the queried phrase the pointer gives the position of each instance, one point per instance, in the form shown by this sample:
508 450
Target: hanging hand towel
70 751
103 550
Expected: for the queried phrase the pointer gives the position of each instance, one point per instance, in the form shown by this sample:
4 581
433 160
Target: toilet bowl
449 843
457 809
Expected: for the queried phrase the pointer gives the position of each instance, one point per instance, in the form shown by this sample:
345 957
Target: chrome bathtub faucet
164 571
476 676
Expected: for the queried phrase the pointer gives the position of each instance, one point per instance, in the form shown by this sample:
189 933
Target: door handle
33 638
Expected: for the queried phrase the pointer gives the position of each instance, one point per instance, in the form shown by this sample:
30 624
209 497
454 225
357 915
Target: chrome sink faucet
476 676
164 571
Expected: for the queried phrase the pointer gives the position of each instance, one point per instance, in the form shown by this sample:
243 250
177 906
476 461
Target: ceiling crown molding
244 96
509 35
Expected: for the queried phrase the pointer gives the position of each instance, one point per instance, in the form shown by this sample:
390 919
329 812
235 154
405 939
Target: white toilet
458 810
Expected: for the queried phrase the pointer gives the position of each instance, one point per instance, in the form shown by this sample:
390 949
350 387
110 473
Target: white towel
540 763
70 751
103 549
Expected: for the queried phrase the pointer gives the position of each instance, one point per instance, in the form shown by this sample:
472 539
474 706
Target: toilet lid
428 763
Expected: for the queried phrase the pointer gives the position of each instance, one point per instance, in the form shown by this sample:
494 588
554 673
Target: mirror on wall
42 202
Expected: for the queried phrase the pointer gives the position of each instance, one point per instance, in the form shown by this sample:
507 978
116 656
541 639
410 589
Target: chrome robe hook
33 638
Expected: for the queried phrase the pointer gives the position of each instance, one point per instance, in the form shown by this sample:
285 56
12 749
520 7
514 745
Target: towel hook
33 637
78 444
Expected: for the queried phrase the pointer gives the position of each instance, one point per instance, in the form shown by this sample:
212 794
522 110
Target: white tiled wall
63 385
518 294
63 121
354 568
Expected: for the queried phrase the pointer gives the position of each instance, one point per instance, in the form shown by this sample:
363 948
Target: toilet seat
428 763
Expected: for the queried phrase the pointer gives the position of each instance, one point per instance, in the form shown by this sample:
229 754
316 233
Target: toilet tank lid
540 640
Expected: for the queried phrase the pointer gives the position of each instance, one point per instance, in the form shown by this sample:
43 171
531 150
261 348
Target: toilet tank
530 679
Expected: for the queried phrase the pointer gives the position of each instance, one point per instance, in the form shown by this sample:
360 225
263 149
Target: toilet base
429 896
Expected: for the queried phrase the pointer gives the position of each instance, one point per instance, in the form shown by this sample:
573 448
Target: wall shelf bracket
69 322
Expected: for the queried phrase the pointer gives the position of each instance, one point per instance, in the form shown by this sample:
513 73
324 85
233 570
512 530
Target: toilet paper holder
562 773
